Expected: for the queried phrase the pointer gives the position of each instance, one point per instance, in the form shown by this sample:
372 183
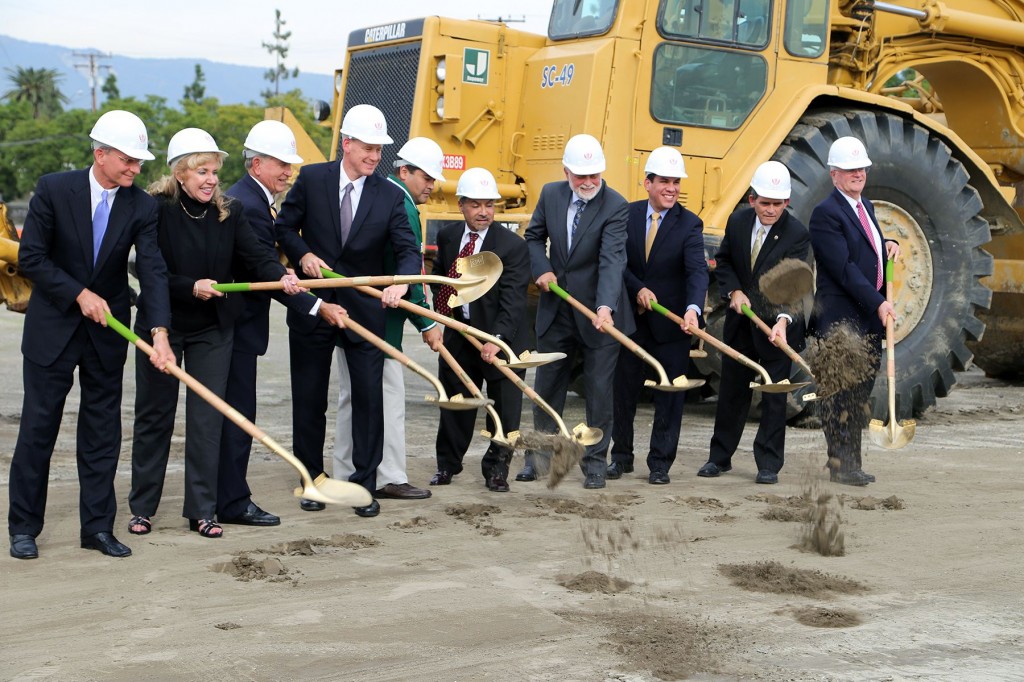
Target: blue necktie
99 225
579 204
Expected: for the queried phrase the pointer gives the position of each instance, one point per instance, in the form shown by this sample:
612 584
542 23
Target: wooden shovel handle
780 344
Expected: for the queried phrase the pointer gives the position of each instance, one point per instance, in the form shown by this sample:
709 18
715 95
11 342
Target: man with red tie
850 252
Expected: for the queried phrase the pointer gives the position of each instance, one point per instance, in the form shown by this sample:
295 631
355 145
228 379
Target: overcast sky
232 30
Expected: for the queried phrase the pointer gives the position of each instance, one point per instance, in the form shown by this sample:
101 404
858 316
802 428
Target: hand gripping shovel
785 348
457 402
680 383
768 386
893 435
524 361
326 490
498 436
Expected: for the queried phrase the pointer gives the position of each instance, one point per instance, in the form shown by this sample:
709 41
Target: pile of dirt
698 502
476 515
413 525
819 617
565 454
246 568
773 577
670 648
721 518
786 509
785 514
787 282
311 546
594 581
586 511
869 503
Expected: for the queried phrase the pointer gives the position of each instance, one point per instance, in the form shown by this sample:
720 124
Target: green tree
110 90
279 49
197 90
39 87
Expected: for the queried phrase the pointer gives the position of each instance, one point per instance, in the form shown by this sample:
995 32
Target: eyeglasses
128 161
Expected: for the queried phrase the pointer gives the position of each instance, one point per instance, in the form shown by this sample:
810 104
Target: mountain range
229 83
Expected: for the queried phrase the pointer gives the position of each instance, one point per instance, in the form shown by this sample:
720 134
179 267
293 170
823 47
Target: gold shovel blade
894 435
458 402
783 386
333 491
527 359
587 435
678 384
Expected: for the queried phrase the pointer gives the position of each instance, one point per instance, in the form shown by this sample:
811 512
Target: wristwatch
154 330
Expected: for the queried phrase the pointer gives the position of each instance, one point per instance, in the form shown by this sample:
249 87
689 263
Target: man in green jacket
417 169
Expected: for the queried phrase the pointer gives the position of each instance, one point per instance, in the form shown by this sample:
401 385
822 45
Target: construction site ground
713 579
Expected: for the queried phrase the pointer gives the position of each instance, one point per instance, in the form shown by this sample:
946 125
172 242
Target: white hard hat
423 153
273 138
477 183
771 181
191 141
848 153
666 162
583 155
123 131
366 123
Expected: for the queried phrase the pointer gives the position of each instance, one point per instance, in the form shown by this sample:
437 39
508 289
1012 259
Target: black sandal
208 528
143 521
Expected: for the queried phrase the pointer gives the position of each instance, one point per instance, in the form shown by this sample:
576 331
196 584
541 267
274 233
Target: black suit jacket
787 239
252 328
310 221
502 310
847 267
56 255
677 271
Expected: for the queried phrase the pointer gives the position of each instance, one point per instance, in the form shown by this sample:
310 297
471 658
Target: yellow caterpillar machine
733 83
14 289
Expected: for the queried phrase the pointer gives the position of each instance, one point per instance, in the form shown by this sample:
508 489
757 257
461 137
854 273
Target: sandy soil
701 578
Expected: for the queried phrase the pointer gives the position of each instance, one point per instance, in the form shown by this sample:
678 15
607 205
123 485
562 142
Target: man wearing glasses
80 228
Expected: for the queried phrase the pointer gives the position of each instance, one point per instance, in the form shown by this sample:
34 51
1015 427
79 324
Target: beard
589 194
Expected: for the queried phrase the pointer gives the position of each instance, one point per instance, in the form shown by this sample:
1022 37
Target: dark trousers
98 439
844 416
205 355
233 493
552 383
668 405
734 397
310 354
456 426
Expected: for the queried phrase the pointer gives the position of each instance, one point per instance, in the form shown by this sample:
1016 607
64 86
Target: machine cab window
577 18
740 22
806 24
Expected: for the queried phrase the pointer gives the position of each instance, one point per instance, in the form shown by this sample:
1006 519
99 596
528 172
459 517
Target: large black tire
914 171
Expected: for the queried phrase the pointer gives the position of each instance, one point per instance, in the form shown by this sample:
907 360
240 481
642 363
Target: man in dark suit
269 153
664 264
756 238
79 231
347 216
501 312
850 253
577 239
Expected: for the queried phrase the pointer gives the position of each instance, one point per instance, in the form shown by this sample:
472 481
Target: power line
93 67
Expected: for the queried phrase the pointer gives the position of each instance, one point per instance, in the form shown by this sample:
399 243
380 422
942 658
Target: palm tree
38 87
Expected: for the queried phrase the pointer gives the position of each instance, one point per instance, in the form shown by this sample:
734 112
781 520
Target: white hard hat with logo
771 181
191 141
666 162
583 155
423 153
477 183
848 153
366 123
274 139
123 131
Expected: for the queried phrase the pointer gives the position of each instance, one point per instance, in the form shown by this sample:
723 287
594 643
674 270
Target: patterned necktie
346 212
446 291
273 211
580 205
863 215
758 242
651 234
99 225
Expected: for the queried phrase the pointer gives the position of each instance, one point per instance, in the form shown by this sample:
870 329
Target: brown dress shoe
401 491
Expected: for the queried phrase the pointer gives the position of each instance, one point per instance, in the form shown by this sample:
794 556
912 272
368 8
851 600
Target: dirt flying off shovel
893 435
326 490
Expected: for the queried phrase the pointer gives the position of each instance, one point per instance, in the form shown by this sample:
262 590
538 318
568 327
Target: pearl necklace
193 217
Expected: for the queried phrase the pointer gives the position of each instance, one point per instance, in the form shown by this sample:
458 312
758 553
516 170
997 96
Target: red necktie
862 214
446 291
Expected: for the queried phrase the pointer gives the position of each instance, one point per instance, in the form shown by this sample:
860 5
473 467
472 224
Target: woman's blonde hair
169 186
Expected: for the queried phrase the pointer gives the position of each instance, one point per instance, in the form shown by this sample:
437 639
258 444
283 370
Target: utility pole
93 67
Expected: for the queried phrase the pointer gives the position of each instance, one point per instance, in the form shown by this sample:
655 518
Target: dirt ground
702 578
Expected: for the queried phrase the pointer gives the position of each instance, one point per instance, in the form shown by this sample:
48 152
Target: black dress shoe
765 476
712 470
658 478
858 477
24 547
311 505
497 484
254 516
616 469
593 482
529 473
441 478
107 544
368 511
